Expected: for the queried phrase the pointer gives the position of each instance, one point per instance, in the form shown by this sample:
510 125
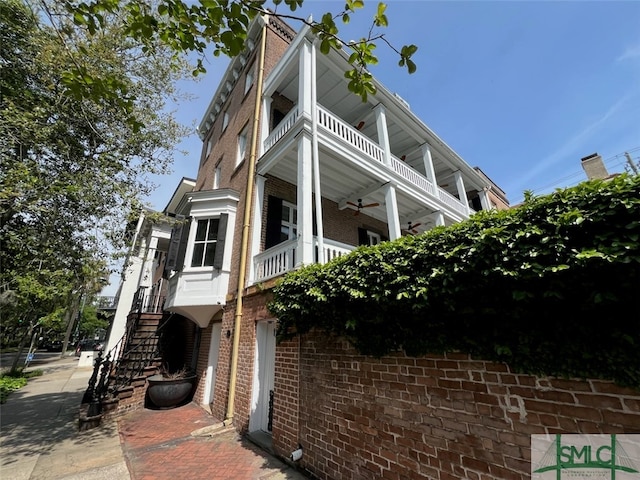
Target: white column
393 218
430 172
462 194
265 124
316 157
305 81
383 133
147 253
304 253
256 231
439 218
484 198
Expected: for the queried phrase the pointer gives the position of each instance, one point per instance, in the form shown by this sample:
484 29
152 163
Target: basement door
263 379
212 367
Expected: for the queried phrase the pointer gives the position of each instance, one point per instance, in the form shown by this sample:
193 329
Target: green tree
73 166
220 26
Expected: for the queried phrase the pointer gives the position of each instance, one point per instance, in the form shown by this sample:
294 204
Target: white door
214 350
264 369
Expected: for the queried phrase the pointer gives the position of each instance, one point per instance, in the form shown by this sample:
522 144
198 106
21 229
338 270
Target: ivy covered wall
550 287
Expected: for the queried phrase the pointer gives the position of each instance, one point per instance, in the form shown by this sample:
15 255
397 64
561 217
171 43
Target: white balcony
198 294
358 155
282 258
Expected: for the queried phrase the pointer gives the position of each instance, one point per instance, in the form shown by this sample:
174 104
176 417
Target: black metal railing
144 302
105 302
124 363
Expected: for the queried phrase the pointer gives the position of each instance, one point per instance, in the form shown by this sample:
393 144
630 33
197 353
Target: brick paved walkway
158 445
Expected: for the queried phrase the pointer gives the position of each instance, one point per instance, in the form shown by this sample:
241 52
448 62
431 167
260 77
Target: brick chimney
594 167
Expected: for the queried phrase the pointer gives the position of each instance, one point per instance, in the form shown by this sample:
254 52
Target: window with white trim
204 246
289 222
216 176
242 144
373 238
209 146
225 120
248 79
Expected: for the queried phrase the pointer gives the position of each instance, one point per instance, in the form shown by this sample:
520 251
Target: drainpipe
245 230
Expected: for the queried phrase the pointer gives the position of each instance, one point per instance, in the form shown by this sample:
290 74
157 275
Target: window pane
201 232
210 253
196 260
213 229
285 213
248 81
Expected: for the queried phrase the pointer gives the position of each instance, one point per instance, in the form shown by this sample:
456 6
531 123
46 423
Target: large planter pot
169 392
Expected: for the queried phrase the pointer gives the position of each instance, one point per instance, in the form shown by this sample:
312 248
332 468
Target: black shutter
363 238
174 244
182 247
274 222
222 232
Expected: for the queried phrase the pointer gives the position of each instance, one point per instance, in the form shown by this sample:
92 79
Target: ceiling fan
359 206
412 228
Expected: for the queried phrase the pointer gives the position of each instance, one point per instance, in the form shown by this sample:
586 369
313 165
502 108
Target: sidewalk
39 430
40 439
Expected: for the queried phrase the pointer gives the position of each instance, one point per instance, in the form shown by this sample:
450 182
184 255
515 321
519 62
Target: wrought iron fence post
103 384
89 394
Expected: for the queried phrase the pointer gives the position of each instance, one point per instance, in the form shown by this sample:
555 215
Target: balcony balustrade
145 302
342 130
282 258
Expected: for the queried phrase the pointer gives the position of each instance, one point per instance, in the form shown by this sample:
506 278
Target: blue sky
523 90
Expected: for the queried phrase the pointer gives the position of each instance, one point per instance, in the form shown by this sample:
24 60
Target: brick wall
441 417
254 309
221 393
286 401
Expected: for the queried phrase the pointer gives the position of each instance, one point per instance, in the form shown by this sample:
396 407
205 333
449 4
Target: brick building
296 170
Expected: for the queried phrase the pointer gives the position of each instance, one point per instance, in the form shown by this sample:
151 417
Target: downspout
245 230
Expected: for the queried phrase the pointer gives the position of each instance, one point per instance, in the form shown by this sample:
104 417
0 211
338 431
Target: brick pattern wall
254 310
437 417
286 401
221 393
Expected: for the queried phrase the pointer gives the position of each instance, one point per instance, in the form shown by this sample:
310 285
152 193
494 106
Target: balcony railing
282 258
353 137
144 302
349 134
283 127
103 302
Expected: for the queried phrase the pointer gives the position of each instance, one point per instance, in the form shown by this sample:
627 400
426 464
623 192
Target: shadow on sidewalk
36 424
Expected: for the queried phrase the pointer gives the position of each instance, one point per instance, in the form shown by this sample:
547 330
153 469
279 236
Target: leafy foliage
14 380
219 25
74 162
546 287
